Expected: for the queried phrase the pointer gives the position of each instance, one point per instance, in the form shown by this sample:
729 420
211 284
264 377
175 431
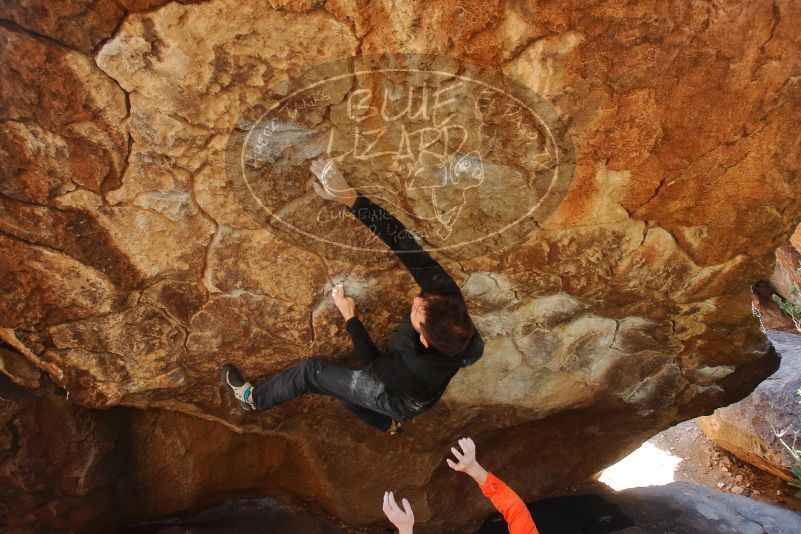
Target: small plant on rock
793 310
787 306
794 453
796 471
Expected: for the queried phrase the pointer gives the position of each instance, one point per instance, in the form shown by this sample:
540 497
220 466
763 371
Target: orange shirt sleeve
511 506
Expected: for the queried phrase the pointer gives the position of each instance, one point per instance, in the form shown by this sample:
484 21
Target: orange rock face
606 214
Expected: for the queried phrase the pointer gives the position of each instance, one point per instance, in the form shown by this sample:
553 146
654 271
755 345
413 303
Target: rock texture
263 515
131 271
771 316
682 507
678 507
777 300
58 465
748 428
67 467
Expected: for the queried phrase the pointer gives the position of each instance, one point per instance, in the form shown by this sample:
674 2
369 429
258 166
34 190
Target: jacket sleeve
428 274
362 344
512 507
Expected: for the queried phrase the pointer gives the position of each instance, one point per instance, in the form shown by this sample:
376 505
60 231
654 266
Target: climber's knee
310 366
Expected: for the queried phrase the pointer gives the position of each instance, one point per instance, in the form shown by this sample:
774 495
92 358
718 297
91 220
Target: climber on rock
434 339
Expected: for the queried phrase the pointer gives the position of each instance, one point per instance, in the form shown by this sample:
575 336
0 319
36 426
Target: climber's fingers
457 454
385 506
318 168
407 507
319 189
393 506
318 163
328 167
467 445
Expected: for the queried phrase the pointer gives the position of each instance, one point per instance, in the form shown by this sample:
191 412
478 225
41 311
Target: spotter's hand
345 304
466 458
466 461
329 182
403 519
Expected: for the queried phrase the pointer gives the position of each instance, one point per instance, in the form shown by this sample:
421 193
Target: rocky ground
704 463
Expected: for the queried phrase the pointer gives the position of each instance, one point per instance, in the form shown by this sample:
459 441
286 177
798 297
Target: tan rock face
133 264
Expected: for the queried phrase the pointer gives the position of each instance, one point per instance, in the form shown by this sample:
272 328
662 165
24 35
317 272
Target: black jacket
417 376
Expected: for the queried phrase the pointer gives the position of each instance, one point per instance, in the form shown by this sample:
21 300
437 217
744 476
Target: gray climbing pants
359 390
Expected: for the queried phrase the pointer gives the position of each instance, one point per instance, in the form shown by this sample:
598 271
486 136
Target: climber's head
442 322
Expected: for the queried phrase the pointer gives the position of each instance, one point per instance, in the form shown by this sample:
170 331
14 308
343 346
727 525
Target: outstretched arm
428 274
510 505
502 497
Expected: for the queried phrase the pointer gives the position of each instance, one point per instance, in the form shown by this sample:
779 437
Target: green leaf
786 306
